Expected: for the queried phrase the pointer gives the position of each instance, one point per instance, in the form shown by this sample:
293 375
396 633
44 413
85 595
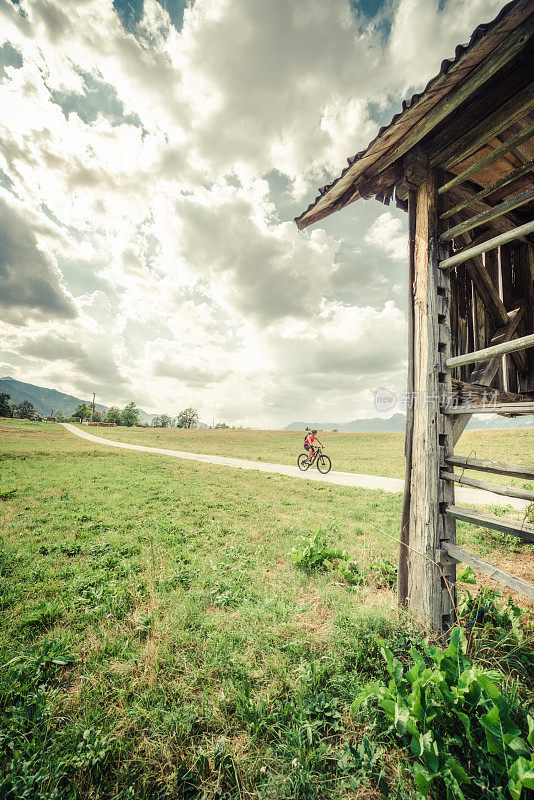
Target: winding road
396 485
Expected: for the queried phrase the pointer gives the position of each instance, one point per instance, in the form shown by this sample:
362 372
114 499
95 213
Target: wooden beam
404 538
494 467
478 135
498 574
500 184
489 244
488 159
424 579
523 531
508 222
481 391
486 371
480 219
515 409
522 343
506 491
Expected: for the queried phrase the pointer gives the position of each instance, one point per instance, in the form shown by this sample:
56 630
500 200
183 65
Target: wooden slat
489 244
480 565
488 159
508 222
521 343
480 219
506 491
500 184
476 137
491 408
493 467
523 531
486 371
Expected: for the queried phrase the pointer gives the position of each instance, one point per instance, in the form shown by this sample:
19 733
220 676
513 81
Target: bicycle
324 464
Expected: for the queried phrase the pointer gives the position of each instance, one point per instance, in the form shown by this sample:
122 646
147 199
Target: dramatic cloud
387 233
152 157
30 281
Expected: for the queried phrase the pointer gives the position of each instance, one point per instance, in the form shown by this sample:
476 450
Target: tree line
127 416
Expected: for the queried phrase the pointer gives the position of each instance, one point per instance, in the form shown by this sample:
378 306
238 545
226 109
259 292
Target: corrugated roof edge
446 64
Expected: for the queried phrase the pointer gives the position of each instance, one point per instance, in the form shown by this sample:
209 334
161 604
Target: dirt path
396 485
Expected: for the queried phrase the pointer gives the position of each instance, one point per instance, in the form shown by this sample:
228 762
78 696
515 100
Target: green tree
60 416
82 411
5 408
130 415
221 426
156 422
188 418
113 415
24 410
97 416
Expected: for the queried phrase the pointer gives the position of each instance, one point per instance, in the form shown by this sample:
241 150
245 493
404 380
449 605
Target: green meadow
367 453
173 629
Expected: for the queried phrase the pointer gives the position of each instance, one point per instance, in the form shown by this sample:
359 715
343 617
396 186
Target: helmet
314 431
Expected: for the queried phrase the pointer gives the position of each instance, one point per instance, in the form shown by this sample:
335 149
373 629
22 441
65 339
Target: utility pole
93 407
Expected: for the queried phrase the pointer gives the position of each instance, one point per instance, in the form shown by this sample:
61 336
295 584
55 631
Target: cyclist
308 445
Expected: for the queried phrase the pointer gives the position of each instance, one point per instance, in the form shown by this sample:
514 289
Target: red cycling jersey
311 438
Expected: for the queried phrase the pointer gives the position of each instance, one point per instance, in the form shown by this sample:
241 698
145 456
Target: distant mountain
394 424
45 401
397 422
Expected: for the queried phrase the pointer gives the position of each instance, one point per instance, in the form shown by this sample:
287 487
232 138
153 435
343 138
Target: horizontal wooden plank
481 163
489 408
506 491
493 467
521 343
480 565
500 184
524 531
480 219
489 244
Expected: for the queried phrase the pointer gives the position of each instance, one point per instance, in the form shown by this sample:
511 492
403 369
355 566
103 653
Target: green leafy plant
461 729
467 575
313 553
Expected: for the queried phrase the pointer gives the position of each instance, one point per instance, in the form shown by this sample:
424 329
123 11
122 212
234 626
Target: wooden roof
492 46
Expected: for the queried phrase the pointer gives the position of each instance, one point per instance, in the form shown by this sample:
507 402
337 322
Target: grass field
367 453
158 640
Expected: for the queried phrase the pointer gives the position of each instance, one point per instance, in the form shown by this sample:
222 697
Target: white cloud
387 233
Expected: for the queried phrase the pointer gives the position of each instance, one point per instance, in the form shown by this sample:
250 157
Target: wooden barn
459 159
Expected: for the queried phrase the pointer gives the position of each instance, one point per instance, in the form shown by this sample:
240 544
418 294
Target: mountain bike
324 464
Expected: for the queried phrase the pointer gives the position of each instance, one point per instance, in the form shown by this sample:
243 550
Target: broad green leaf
401 718
457 770
521 777
423 779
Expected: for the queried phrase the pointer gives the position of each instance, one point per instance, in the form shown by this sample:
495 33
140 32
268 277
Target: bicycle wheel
324 464
302 462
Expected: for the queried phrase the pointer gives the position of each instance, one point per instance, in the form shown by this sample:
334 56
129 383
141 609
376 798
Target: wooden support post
430 597
402 572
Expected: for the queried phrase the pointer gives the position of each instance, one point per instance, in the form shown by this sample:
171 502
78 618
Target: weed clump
467 736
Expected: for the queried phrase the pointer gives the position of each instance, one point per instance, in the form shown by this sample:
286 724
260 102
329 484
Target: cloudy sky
152 158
